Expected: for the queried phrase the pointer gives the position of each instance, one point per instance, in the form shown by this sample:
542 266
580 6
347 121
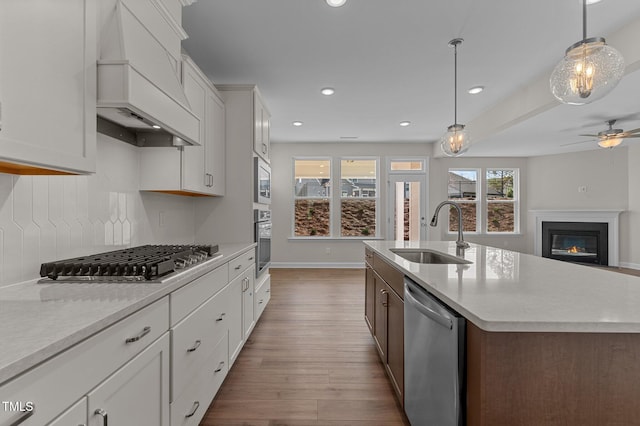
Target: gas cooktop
149 263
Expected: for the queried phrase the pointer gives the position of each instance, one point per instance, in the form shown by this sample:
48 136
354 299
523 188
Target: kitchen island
548 342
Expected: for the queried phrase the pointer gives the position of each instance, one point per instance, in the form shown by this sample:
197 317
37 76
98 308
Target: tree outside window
463 189
501 197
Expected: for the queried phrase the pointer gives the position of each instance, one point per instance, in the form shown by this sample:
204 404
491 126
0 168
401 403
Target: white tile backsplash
45 218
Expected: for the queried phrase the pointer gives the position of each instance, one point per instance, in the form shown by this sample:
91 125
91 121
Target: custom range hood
140 99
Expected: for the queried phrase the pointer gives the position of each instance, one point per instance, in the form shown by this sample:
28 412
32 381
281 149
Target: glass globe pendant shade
456 141
609 142
589 70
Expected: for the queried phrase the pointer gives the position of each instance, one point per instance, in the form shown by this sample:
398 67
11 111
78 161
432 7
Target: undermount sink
418 255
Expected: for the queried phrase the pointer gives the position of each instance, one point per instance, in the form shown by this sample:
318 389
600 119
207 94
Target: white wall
630 247
46 218
439 176
554 180
286 252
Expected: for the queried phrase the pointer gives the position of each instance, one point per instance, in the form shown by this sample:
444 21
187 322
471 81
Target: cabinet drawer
189 297
263 294
191 406
391 275
64 379
241 263
194 339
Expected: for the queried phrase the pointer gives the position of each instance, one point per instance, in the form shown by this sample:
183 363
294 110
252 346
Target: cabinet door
380 314
47 86
395 342
136 394
194 176
261 120
248 317
234 300
215 147
74 416
369 298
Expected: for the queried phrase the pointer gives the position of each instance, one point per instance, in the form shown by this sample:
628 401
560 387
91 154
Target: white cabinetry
74 416
261 127
242 321
47 86
65 379
138 393
191 170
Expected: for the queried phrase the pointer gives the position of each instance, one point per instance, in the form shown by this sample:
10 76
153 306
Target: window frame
515 201
477 201
335 198
295 197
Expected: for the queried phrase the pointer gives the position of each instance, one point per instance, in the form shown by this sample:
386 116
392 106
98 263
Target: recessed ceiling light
593 1
328 91
297 123
405 123
155 126
475 90
336 3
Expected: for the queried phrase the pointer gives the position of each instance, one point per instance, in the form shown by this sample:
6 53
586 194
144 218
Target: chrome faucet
460 243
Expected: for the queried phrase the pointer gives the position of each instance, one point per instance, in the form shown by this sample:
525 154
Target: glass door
407 210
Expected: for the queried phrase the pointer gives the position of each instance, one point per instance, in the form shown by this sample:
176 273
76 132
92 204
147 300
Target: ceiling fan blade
631 136
577 143
633 131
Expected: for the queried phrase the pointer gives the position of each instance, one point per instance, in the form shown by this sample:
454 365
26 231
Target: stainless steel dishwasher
434 353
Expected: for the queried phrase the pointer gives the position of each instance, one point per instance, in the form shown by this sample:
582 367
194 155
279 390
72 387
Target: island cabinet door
395 343
369 298
380 320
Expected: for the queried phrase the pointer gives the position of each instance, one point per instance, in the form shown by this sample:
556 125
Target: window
463 189
492 210
312 198
501 200
357 197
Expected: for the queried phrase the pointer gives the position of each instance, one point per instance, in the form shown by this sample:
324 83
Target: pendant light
456 141
589 70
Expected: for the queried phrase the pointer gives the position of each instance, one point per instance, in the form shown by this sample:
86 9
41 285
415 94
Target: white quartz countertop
38 321
503 290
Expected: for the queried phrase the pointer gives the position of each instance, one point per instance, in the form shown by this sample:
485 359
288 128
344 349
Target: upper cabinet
47 86
261 126
191 170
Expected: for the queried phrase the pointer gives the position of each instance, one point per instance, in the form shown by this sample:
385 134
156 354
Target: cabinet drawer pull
196 405
219 369
268 290
221 317
143 333
264 148
22 417
238 267
195 346
105 419
260 302
251 258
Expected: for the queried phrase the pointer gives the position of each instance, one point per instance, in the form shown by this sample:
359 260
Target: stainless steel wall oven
263 239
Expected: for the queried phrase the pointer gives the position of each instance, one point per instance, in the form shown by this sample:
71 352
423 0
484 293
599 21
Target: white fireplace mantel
611 217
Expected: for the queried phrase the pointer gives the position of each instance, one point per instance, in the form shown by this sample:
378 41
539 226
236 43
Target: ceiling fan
611 137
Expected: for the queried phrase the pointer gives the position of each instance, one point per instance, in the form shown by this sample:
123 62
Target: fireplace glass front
581 242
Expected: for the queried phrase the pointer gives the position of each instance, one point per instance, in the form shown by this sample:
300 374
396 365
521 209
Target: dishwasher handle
424 310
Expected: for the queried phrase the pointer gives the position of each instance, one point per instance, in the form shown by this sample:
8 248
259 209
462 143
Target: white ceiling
389 61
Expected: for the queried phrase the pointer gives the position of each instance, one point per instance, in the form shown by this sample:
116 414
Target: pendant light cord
584 19
455 84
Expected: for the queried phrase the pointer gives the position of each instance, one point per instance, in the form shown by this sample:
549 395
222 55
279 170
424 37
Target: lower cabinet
242 321
384 314
138 393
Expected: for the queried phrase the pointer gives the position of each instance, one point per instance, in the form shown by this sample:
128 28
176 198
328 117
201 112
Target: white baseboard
629 265
328 265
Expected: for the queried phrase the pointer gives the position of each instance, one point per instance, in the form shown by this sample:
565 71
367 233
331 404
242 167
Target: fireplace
579 242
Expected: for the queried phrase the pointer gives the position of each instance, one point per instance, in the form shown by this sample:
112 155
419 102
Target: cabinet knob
103 414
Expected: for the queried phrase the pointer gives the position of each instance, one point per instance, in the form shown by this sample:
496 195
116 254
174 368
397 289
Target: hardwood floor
310 360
